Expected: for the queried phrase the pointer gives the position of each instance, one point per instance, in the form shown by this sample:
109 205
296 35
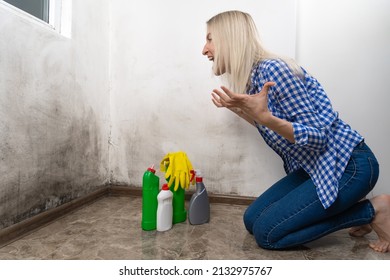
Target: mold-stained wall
131 85
54 113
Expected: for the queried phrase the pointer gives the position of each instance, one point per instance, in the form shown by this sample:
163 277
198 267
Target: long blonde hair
238 48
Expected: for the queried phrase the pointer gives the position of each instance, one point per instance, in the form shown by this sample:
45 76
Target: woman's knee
253 211
249 220
261 232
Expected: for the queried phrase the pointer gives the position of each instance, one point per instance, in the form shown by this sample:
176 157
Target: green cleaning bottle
150 189
178 201
178 204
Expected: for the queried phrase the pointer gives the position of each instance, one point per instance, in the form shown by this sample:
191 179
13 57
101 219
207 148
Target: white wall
161 87
54 117
346 45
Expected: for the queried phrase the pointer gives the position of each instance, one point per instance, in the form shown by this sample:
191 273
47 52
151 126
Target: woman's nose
205 50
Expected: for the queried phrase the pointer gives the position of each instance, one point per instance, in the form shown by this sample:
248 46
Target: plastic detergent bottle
179 209
199 207
150 188
164 209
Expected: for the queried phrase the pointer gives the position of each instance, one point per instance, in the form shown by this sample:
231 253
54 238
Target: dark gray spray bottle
199 207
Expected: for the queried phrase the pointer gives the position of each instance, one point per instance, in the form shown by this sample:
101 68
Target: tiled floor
109 229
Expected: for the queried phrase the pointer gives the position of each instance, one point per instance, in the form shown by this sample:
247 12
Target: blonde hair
238 48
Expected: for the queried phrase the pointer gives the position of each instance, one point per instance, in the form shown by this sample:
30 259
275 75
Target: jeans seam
372 172
352 176
284 220
259 214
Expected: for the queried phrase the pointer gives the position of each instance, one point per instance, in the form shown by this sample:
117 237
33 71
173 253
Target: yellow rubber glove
178 170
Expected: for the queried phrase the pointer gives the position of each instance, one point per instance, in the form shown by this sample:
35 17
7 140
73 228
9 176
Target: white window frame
55 14
60 15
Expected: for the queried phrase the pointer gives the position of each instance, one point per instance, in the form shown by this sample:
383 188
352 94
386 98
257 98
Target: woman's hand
254 106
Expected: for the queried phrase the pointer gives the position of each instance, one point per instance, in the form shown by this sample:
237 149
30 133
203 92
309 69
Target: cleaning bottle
150 188
179 209
164 209
199 207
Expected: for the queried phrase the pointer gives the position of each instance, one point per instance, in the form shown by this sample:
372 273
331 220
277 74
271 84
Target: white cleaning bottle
164 209
199 208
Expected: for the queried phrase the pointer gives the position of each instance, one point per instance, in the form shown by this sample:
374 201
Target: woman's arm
253 108
241 114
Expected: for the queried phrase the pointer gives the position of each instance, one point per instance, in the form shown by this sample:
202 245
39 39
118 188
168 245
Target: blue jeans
290 213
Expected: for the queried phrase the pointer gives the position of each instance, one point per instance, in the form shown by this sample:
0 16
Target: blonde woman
330 169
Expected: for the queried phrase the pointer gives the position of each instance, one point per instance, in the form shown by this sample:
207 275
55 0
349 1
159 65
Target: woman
329 167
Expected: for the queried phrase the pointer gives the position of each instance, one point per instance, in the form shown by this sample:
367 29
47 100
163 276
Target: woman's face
209 51
209 48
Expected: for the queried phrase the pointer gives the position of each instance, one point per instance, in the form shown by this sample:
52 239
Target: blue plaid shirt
323 142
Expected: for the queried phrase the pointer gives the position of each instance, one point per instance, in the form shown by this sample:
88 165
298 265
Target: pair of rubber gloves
178 170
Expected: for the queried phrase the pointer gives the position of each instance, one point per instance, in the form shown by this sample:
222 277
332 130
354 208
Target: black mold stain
68 171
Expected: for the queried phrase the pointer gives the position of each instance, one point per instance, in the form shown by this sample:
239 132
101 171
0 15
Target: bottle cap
198 176
165 187
151 169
